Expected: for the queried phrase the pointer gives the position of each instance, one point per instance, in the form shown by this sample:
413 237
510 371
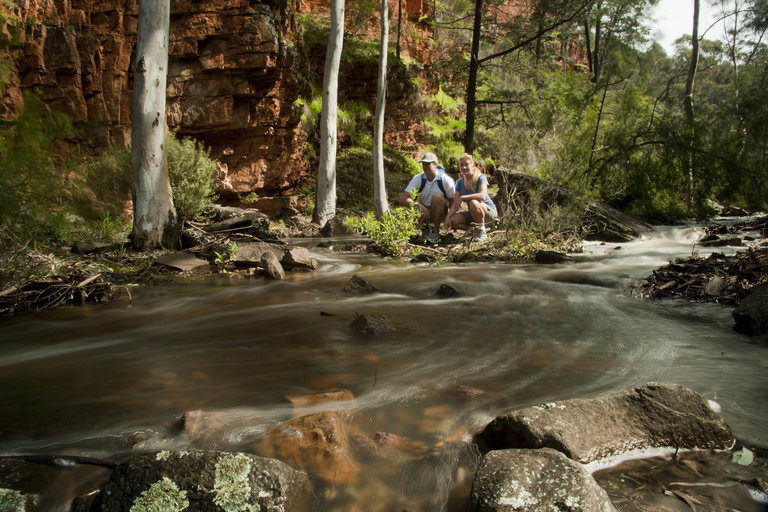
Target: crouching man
436 191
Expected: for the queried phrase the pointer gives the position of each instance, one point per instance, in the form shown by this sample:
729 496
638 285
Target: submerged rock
545 479
331 395
205 481
222 428
650 416
372 324
316 443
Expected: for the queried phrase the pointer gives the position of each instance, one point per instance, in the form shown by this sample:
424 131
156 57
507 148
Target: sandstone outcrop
236 69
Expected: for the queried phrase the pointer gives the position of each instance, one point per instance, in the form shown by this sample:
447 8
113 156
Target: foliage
446 126
354 175
192 173
392 233
226 257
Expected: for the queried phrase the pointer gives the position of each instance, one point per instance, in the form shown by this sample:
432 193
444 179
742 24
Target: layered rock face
230 79
236 68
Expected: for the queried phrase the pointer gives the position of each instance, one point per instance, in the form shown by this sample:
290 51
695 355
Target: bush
393 232
191 173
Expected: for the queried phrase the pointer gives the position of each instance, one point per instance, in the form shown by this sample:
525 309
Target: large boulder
650 416
532 480
751 316
204 481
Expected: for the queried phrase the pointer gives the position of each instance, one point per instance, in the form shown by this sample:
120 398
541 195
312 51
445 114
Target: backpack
439 179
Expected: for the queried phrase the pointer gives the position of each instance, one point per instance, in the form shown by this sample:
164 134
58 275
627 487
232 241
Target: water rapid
112 379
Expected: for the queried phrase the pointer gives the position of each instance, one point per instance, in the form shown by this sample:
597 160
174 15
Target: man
436 191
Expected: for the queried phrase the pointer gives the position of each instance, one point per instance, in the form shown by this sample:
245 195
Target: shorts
491 214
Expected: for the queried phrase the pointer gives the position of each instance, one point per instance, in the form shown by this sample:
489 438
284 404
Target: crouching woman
472 188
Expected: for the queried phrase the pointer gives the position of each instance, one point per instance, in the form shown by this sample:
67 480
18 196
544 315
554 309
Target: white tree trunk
154 217
325 206
380 203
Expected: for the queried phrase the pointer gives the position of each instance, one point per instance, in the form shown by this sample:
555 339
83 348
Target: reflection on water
97 380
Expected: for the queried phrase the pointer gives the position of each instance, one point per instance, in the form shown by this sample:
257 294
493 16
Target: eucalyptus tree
154 217
325 205
380 203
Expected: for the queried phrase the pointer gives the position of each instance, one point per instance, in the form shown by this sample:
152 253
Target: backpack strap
439 179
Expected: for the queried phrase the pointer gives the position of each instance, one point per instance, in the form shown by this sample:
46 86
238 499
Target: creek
112 379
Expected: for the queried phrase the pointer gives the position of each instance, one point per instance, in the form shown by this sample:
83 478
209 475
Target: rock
271 266
298 258
751 316
372 324
12 500
50 483
332 395
249 253
551 257
650 416
716 241
90 246
316 443
220 428
359 286
447 292
290 258
334 227
532 480
733 211
183 261
206 481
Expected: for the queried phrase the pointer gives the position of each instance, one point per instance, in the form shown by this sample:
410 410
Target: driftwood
41 294
720 278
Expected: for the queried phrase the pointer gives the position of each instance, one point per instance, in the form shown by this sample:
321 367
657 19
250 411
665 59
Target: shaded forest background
571 91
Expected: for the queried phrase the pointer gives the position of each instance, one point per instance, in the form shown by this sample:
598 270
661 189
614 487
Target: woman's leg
459 221
477 210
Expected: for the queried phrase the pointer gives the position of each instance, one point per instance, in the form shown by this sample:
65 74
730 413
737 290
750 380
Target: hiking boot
480 234
425 232
434 237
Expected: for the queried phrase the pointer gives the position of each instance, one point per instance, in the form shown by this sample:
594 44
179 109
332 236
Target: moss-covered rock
206 481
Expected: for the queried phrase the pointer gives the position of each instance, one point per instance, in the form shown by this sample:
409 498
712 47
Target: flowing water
112 379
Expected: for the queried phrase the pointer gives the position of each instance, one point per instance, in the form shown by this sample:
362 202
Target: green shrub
393 232
192 173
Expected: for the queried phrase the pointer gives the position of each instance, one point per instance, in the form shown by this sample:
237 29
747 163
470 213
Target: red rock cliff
232 78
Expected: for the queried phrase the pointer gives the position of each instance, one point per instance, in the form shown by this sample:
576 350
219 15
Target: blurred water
90 380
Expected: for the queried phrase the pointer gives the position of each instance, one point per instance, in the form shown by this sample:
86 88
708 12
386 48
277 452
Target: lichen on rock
12 501
162 496
232 485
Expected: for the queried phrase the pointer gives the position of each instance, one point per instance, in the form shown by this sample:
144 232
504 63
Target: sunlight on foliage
192 173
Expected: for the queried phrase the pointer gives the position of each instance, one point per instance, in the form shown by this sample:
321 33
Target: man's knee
438 201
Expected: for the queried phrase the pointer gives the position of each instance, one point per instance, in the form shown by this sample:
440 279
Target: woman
472 188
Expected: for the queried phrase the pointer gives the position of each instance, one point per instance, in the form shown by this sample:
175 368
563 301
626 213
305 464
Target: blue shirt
461 189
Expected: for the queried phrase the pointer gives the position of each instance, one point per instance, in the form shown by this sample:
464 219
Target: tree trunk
154 217
474 64
399 25
325 207
688 104
380 203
